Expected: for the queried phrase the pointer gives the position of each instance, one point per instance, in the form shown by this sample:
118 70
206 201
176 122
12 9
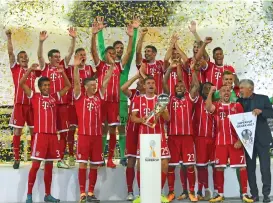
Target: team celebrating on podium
93 98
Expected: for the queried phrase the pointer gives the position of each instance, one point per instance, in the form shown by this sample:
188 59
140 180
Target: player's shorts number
242 159
165 151
58 153
190 157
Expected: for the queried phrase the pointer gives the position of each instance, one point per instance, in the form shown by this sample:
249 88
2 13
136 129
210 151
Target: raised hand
130 30
192 27
72 32
34 66
43 36
208 40
174 39
135 22
8 33
60 69
238 144
100 20
144 31
212 89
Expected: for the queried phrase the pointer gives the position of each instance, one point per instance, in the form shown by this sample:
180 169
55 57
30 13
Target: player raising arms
22 111
110 107
132 131
180 130
45 144
88 108
139 113
56 84
227 143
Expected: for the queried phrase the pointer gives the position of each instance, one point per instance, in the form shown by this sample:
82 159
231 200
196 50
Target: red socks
32 175
48 177
163 179
202 178
70 142
220 181
92 179
16 146
130 176
63 137
183 178
138 178
82 179
112 146
171 178
191 178
243 180
214 179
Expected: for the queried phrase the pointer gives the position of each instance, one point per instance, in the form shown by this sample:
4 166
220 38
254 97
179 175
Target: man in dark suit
261 107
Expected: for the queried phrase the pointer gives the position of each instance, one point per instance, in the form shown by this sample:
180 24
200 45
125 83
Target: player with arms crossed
110 106
139 114
180 131
45 144
22 111
228 145
132 131
88 108
56 84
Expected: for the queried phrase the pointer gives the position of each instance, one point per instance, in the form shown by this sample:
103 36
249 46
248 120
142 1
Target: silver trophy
162 101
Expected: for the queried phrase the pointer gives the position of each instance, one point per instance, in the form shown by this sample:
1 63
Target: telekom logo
217 75
45 105
222 115
53 76
173 75
89 106
147 111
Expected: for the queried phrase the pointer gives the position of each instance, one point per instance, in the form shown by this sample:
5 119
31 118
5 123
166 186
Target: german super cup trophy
162 102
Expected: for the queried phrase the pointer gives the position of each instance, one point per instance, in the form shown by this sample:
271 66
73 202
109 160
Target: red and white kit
84 72
45 144
89 129
214 73
56 84
155 69
226 136
174 80
200 76
22 111
132 129
180 131
110 107
143 105
204 132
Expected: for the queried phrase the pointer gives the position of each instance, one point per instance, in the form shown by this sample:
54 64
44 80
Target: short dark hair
52 51
87 80
217 49
79 49
42 80
199 43
117 42
21 52
151 47
227 72
109 48
149 77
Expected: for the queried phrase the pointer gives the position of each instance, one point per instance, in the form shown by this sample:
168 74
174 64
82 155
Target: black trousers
264 157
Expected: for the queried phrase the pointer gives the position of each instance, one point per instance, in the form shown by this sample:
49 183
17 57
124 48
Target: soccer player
180 131
214 70
85 71
204 132
139 114
57 83
132 132
88 108
22 111
110 107
123 103
45 144
153 67
227 143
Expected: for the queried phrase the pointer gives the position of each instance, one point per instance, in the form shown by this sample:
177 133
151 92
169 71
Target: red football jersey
44 109
89 114
174 79
113 89
17 73
130 124
180 115
157 71
226 134
56 80
214 73
201 75
144 105
84 72
203 121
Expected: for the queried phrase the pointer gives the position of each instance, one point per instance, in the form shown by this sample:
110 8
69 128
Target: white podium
150 168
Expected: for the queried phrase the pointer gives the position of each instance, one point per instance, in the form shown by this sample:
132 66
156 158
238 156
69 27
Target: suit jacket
258 101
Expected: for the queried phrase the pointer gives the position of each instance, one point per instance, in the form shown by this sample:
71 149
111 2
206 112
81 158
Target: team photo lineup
185 99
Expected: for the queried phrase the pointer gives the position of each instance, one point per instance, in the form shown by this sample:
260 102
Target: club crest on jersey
143 104
37 153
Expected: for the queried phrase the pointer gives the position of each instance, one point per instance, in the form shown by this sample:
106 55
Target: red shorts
72 116
45 147
205 150
110 113
22 113
89 148
165 152
181 149
236 156
132 130
62 117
